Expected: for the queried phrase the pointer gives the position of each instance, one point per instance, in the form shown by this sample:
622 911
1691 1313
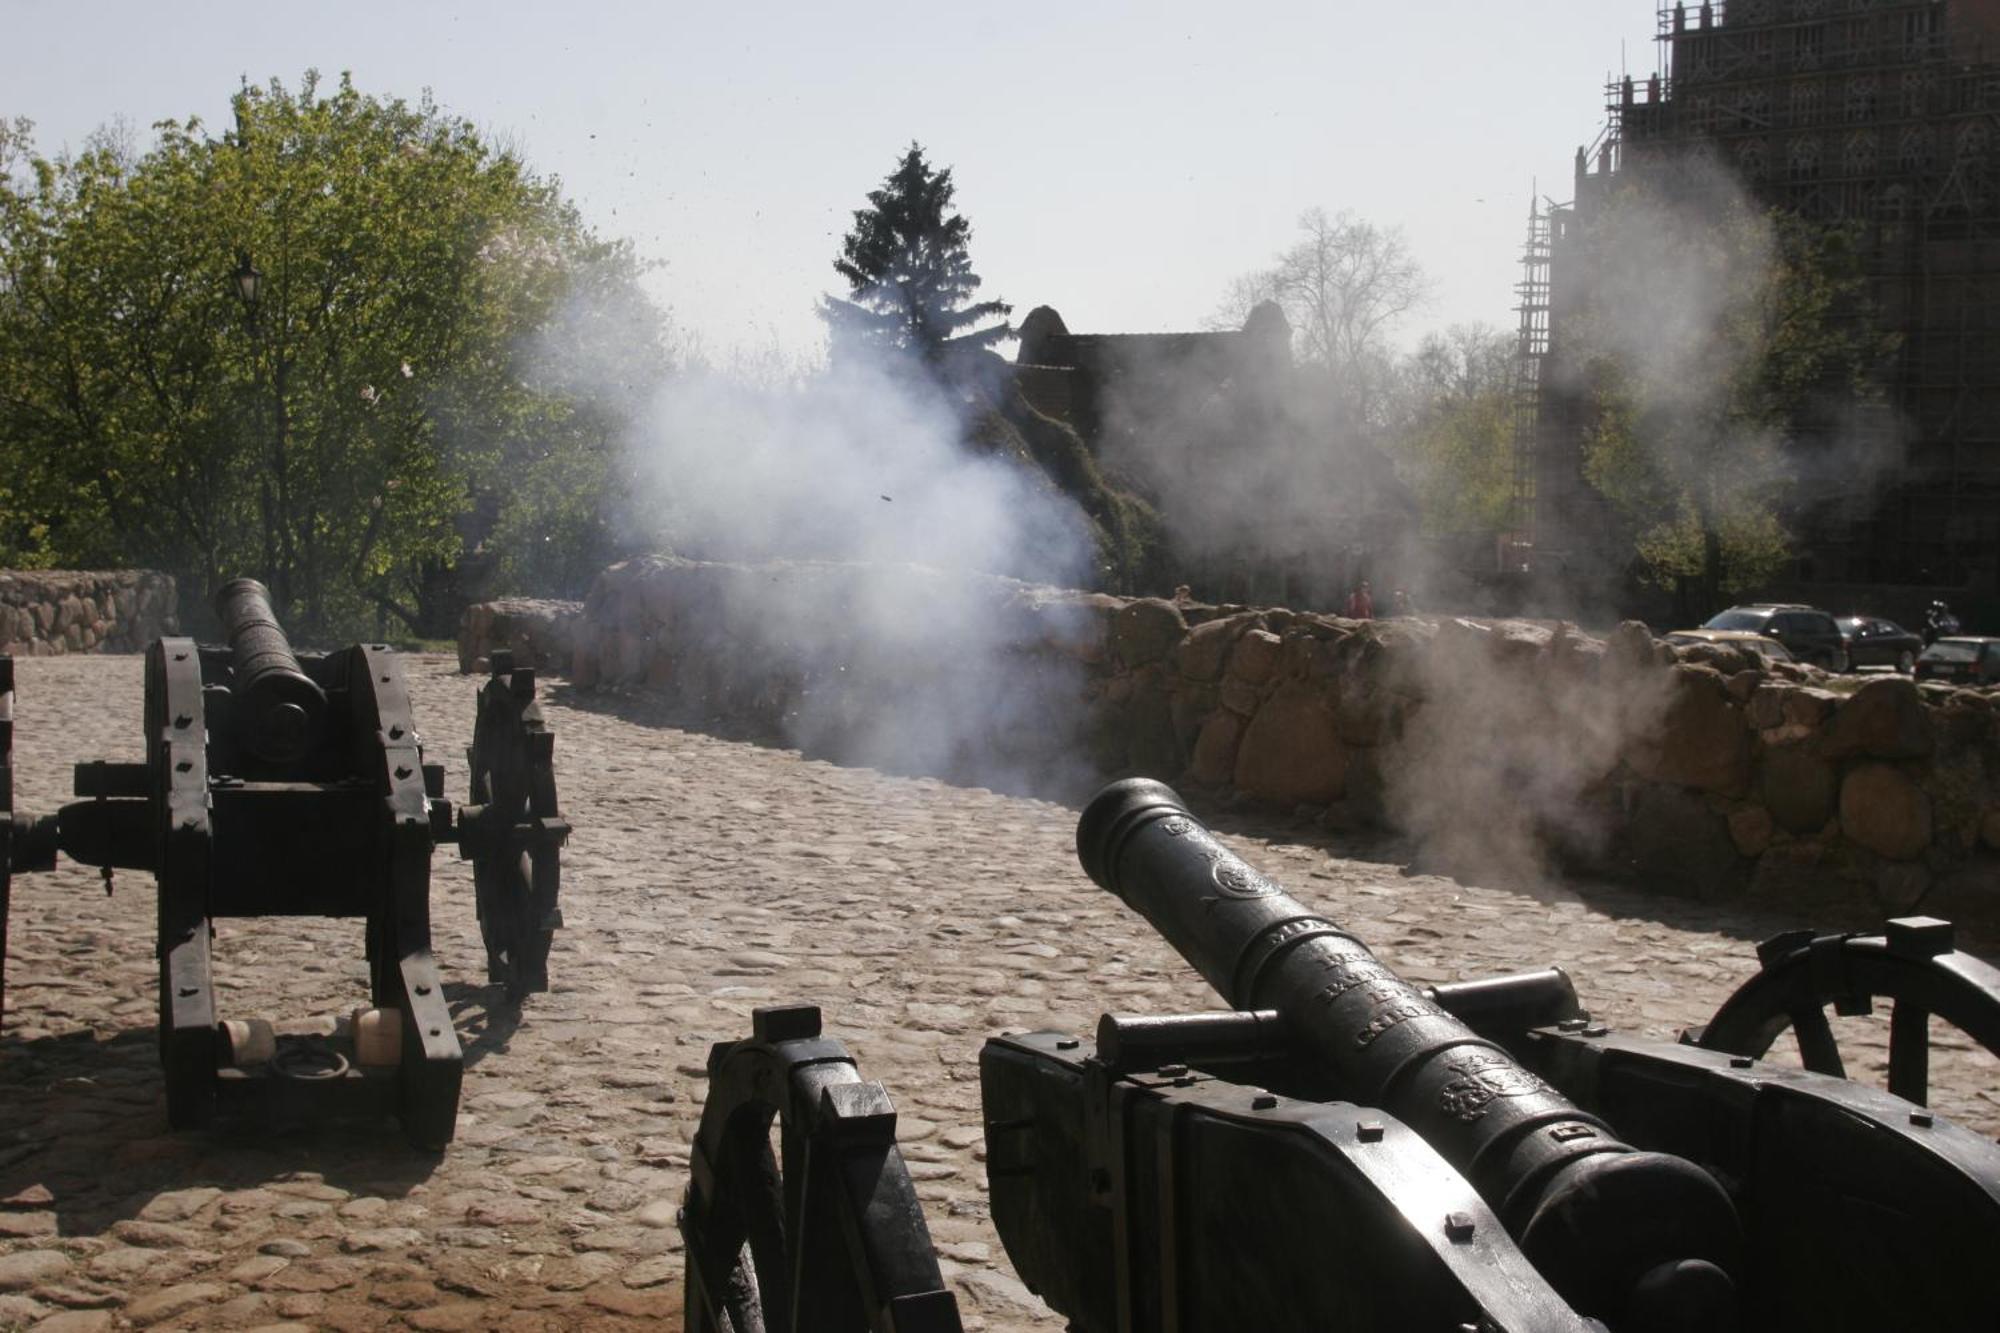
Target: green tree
561 480
909 273
301 349
1451 428
1720 348
1342 287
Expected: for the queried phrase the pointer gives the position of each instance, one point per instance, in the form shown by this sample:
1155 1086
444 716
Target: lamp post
249 283
250 286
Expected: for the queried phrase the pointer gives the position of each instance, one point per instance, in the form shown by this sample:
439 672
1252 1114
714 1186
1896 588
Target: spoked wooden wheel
513 833
1913 965
826 1232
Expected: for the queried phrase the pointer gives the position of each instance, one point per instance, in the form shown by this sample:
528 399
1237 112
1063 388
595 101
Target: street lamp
248 281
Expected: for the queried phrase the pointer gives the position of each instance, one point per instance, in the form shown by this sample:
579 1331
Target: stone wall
540 633
1499 748
972 677
44 612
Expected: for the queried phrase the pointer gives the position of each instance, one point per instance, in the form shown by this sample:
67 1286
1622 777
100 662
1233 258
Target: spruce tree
908 272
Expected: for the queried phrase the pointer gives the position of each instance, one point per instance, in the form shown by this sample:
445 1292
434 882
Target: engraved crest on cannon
1479 1077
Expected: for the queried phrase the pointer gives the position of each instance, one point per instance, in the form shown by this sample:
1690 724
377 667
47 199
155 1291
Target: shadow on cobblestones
84 1140
641 708
485 1020
1831 906
645 709
1388 850
1399 856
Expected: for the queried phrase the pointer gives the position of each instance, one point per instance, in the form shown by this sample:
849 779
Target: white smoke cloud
883 607
1679 276
1265 477
1511 762
858 463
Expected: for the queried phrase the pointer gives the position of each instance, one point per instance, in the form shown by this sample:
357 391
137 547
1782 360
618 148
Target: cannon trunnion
284 784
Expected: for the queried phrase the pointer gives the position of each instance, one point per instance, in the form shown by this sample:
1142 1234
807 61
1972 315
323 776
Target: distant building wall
1086 379
1264 487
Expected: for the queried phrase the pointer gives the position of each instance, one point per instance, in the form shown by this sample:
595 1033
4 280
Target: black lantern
248 280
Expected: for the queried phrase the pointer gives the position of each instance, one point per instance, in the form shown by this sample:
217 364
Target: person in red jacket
1360 606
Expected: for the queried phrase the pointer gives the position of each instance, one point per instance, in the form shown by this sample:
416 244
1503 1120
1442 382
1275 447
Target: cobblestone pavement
706 877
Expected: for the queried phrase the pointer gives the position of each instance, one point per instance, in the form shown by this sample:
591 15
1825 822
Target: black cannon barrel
277 705
1643 1240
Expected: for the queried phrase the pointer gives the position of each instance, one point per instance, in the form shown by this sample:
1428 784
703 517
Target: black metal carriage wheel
516 865
1912 964
824 1232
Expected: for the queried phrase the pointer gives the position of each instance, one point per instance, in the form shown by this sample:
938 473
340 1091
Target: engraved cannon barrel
277 706
1642 1239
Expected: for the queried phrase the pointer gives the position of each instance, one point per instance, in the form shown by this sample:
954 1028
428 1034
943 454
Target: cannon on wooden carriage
279 783
1346 1150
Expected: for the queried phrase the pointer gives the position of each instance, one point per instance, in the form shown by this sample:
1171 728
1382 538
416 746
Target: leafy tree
1125 528
1720 348
1342 288
1452 428
342 433
909 273
562 487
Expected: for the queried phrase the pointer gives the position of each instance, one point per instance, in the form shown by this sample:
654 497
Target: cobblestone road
706 877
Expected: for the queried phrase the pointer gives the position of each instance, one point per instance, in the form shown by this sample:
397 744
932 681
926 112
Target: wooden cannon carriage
285 784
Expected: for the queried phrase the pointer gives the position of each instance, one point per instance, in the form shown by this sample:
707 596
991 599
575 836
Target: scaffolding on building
1531 350
1882 116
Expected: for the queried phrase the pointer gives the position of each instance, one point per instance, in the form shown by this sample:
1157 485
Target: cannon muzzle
279 707
1644 1240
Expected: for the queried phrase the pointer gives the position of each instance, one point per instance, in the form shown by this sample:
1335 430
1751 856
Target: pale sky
1120 162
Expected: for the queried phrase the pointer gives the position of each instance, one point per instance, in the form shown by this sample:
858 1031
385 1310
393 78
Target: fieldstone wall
1499 748
540 633
972 677
45 612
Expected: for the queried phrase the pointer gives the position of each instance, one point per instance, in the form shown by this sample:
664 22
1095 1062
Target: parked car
1965 660
1875 642
1767 648
1808 632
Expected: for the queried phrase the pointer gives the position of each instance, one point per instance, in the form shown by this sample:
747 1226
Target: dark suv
1810 634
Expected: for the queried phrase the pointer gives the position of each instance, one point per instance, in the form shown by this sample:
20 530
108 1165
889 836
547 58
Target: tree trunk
285 581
